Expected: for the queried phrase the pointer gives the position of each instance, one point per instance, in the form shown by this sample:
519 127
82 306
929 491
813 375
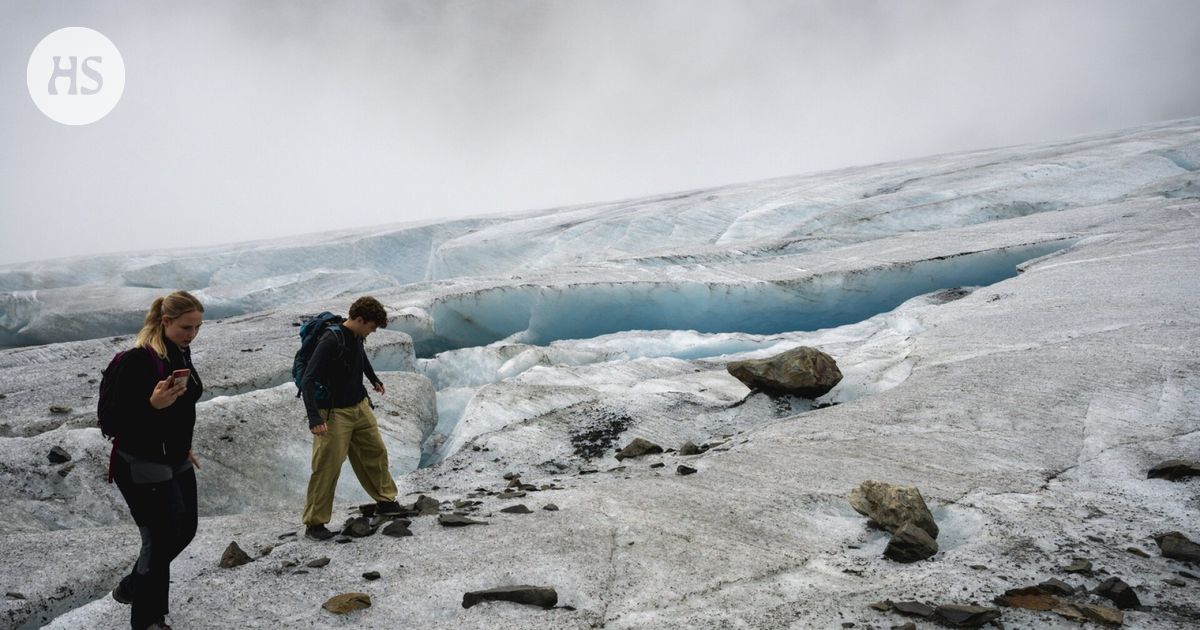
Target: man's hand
378 386
320 429
195 462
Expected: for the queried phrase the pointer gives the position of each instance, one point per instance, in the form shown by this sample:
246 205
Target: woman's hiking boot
124 591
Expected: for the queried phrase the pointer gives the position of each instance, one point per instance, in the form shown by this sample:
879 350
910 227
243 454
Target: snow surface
1017 328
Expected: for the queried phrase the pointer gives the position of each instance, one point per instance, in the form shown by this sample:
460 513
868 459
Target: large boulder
802 371
893 506
910 544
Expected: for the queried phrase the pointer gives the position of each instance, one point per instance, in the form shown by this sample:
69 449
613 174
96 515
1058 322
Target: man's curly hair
370 310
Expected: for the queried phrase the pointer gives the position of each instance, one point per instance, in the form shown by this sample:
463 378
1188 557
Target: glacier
1016 327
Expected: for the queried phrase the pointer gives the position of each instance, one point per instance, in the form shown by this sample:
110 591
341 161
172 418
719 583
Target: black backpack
108 416
310 333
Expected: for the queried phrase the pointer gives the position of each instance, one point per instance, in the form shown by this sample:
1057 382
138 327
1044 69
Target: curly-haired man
344 424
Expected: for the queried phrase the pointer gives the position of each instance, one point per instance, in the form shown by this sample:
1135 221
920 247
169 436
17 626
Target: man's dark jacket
338 364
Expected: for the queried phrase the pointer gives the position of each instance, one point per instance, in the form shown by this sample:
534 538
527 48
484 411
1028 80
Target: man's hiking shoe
122 594
388 508
317 532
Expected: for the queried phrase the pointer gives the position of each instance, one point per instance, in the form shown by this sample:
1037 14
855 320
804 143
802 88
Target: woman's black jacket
158 435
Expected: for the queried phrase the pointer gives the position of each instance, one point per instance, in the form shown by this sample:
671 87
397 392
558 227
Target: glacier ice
1014 325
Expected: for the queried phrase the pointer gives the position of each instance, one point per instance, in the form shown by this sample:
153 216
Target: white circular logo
75 75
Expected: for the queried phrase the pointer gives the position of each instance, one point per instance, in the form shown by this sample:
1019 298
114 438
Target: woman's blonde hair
173 306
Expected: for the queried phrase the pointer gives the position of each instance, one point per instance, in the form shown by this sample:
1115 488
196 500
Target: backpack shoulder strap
160 368
337 333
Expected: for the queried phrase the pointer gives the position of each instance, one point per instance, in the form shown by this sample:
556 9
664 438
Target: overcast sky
257 119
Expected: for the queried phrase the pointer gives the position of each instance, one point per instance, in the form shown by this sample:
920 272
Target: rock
58 455
371 575
341 540
1070 611
454 520
685 470
1057 587
1091 612
397 529
966 616
1178 547
550 507
317 564
910 544
637 448
426 506
266 550
543 596
892 506
1137 552
1175 582
883 606
509 476
914 608
347 602
657 465
358 527
517 509
1174 470
908 626
234 556
1119 592
802 371
1190 576
1082 566
379 521
59 409
14 595
689 448
1029 597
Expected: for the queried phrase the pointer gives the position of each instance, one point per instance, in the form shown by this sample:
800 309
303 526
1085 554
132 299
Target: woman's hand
164 394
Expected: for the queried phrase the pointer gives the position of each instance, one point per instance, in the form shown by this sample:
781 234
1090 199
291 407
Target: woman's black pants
165 514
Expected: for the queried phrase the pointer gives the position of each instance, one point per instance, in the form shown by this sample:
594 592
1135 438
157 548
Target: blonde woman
155 392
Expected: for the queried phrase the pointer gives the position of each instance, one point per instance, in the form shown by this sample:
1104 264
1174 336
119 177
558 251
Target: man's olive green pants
354 432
